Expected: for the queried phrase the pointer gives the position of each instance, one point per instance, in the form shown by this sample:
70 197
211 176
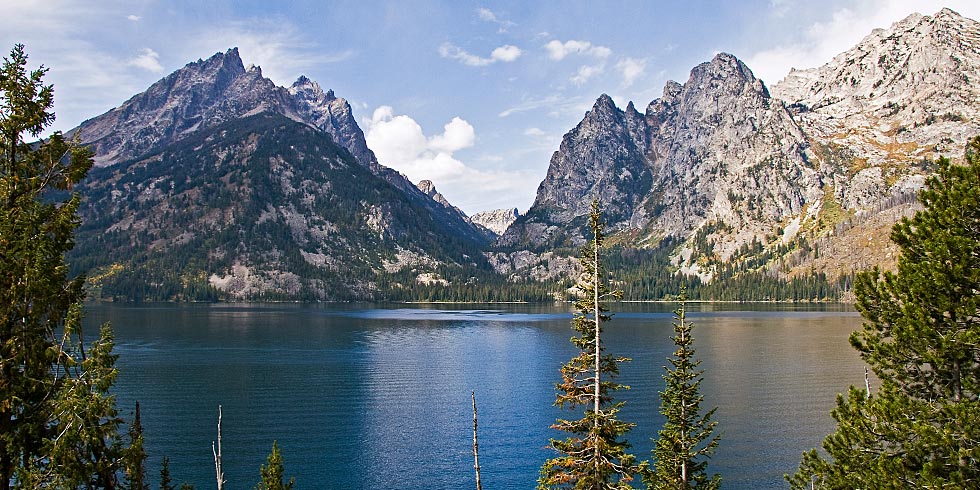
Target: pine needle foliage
273 472
594 455
58 423
687 438
921 336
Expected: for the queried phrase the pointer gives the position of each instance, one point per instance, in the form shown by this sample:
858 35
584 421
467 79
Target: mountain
207 93
260 207
716 151
217 183
732 178
902 94
497 221
214 182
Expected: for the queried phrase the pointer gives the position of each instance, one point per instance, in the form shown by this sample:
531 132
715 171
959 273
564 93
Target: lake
378 396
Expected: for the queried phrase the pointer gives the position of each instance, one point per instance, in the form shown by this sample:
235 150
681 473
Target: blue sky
472 95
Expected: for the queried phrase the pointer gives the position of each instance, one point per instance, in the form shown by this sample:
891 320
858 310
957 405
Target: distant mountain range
216 183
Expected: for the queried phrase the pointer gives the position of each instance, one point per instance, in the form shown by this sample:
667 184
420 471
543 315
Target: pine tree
921 337
593 456
85 450
166 481
273 474
136 455
686 440
58 426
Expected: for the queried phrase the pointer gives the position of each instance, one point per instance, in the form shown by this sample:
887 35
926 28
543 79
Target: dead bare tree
476 446
219 473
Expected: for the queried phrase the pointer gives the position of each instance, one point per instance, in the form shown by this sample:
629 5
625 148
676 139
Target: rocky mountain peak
694 157
902 94
604 104
497 220
206 93
725 73
429 189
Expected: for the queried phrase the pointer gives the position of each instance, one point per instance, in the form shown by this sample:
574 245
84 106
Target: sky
474 96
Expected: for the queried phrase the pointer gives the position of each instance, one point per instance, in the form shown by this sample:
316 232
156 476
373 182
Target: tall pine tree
135 455
921 337
58 426
594 455
686 440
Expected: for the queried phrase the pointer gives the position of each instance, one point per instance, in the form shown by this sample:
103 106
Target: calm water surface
367 396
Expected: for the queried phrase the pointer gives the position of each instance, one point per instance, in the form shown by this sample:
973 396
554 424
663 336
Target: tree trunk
476 446
219 474
595 306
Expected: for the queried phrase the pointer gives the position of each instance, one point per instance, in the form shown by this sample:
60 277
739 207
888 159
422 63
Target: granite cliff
727 173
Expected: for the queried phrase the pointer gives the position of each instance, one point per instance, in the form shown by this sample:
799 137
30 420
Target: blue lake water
371 396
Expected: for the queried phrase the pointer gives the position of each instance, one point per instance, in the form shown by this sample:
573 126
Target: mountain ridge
740 174
721 180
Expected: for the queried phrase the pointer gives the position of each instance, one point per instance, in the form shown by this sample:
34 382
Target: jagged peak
604 103
304 84
228 60
427 187
722 66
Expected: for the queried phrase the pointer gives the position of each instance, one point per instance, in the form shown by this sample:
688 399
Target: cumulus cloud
631 69
534 132
134 18
400 143
506 53
148 59
558 50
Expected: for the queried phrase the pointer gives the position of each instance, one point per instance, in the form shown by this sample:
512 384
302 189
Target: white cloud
134 18
506 53
400 143
148 59
558 50
488 15
457 135
554 105
534 132
631 69
586 72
